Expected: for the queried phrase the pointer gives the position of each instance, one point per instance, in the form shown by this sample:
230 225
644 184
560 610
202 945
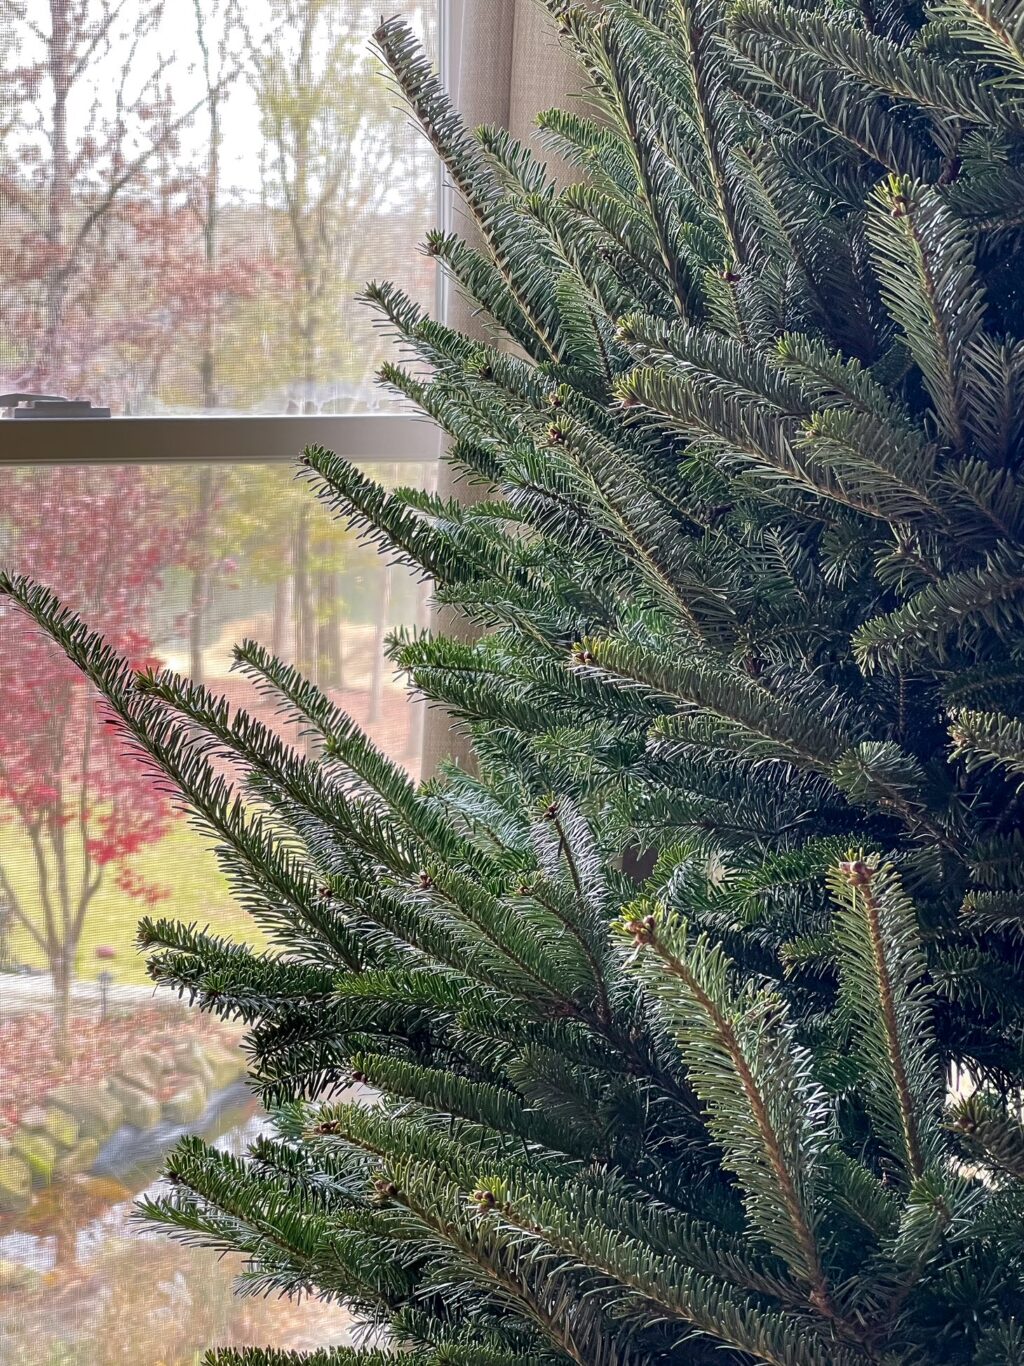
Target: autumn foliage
81 808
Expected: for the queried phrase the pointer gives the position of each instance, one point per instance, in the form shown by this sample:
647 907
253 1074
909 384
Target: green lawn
182 863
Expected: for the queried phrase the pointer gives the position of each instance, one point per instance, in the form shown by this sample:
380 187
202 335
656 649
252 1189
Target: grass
182 863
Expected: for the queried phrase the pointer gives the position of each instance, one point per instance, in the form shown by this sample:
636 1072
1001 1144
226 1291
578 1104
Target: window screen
192 192
99 1074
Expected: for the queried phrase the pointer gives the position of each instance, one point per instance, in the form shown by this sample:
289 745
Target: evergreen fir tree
664 1005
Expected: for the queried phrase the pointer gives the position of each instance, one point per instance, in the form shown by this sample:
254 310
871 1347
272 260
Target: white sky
176 41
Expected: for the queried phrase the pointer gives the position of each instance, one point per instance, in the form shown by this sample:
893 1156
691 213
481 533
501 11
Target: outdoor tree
304 558
336 174
91 115
333 169
218 34
180 216
78 809
218 37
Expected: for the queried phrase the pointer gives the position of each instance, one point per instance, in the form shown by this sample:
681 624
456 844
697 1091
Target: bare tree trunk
200 590
340 650
208 359
58 201
62 976
211 215
6 926
303 607
279 619
328 630
380 630
207 372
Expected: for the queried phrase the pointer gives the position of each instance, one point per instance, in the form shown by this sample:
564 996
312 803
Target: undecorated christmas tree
694 1020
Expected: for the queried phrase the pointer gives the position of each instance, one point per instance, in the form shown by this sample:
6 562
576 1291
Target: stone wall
64 1133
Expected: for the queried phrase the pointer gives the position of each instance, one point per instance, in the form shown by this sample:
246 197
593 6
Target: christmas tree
694 1017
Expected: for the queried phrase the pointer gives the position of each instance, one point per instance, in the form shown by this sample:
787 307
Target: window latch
40 407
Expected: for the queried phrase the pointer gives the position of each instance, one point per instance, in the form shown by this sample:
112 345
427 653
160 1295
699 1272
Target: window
191 193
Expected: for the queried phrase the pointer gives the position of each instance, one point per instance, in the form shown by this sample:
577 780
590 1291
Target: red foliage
97 538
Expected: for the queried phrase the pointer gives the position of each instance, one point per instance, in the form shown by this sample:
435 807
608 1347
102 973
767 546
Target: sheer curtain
504 64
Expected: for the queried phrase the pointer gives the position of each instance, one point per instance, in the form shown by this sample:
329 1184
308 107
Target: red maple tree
83 805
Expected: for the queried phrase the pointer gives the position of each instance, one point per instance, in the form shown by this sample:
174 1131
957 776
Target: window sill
242 440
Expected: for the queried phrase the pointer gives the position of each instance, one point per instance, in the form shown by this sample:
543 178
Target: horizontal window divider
250 439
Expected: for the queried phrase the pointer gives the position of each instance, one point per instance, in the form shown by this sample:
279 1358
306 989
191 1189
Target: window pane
99 1075
192 192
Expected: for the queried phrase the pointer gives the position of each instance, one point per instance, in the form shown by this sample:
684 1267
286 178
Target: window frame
252 439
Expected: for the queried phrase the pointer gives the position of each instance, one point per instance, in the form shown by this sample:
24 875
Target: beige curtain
504 64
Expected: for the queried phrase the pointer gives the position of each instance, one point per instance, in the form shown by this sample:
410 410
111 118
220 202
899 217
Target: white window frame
393 438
